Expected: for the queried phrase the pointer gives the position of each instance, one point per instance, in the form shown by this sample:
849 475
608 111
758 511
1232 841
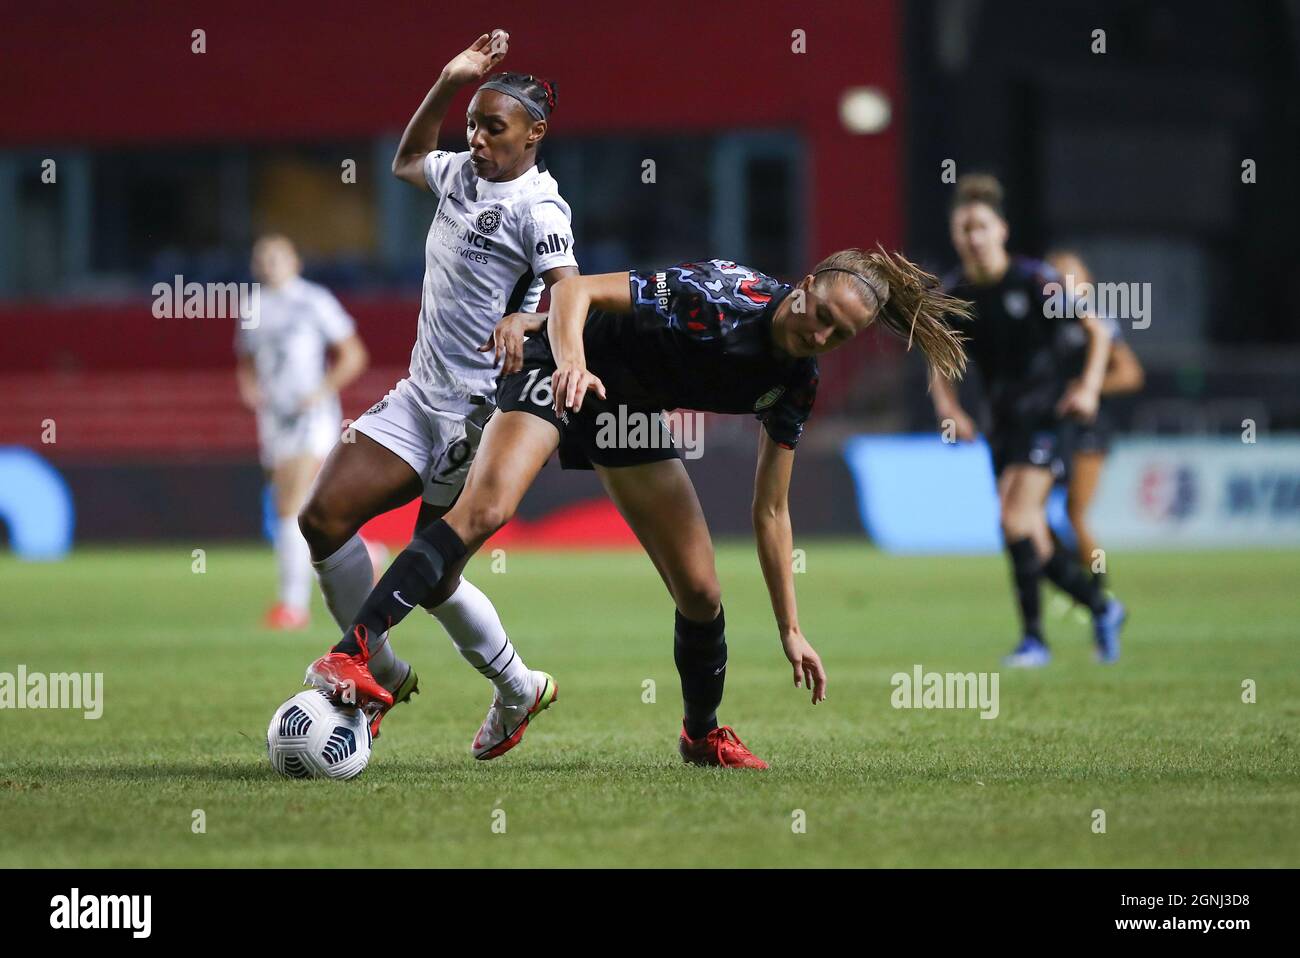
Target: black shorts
1048 445
605 433
1094 436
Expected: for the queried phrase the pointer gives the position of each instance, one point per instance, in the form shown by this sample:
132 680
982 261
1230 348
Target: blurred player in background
709 335
286 377
499 238
1034 402
1092 440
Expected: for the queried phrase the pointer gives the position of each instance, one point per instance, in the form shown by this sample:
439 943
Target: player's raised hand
477 60
808 670
571 382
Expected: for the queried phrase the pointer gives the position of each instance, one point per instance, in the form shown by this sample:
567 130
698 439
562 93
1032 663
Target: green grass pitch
1186 773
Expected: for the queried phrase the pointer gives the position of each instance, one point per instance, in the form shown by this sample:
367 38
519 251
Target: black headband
880 300
534 109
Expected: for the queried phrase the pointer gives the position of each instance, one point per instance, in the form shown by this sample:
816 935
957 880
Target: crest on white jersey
488 221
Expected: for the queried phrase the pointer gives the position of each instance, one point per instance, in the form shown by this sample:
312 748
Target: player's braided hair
529 89
907 301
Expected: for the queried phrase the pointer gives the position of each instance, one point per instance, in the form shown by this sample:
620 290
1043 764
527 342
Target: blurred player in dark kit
1034 403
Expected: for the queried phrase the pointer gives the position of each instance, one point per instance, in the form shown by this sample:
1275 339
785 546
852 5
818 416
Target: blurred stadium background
170 163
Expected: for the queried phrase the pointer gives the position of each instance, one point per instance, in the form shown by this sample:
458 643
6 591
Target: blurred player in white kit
288 379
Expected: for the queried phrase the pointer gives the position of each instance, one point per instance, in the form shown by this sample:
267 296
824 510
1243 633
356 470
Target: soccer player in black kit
1013 336
1092 441
709 335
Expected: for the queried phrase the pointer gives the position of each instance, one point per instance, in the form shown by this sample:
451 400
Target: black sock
1025 570
700 651
1063 549
1063 570
407 582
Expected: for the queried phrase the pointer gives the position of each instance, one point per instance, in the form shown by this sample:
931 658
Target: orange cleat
347 679
721 747
285 618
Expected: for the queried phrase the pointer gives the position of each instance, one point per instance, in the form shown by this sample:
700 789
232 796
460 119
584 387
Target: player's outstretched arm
775 539
571 299
506 341
421 135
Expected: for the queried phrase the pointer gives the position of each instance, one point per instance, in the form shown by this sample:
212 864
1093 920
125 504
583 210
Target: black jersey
1014 339
700 337
1072 343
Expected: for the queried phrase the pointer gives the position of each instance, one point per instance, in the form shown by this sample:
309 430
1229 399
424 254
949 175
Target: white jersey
295 326
487 249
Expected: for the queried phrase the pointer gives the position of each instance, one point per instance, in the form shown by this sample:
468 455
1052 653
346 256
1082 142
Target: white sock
346 578
294 560
475 629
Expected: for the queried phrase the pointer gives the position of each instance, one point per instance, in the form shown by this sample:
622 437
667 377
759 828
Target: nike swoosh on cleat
398 596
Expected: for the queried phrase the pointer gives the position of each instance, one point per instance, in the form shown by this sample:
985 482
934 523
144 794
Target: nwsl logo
1168 492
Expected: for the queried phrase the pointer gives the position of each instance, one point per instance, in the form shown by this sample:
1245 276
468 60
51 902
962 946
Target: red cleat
347 679
284 618
721 747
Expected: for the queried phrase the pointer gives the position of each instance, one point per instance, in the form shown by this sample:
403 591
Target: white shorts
311 433
438 443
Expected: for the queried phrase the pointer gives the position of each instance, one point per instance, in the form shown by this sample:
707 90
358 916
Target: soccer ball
311 737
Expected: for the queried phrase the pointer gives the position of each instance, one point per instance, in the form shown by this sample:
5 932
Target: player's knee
441 593
486 517
699 601
1018 524
323 528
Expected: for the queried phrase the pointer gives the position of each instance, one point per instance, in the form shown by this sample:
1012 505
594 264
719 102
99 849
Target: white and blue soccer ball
311 737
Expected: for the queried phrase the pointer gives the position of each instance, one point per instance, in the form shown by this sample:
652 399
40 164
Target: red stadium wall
669 67
124 386
126 338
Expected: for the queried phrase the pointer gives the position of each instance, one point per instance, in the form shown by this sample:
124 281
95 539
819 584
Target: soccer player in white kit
500 237
287 379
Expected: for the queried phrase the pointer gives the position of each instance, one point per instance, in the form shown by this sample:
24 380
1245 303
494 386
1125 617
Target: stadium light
864 109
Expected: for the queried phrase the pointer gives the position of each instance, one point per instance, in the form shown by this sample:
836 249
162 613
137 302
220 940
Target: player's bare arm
246 379
948 406
1124 372
350 361
775 540
1082 395
421 135
570 301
